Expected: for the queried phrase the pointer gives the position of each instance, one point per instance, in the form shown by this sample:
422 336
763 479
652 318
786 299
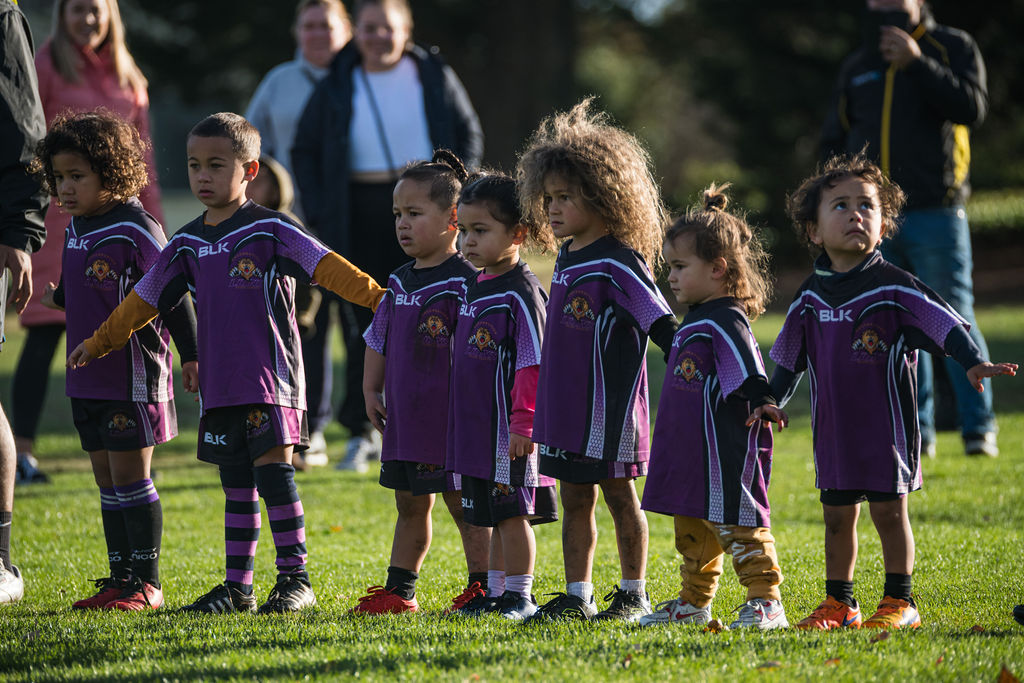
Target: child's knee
839 519
409 505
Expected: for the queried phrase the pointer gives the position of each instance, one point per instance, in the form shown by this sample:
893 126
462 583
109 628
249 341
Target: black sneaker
625 606
1018 614
563 607
221 600
477 606
291 594
516 607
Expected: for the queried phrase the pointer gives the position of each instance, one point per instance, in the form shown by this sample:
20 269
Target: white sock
495 582
584 590
638 586
521 584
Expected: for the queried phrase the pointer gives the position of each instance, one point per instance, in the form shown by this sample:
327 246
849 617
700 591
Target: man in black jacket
910 94
22 206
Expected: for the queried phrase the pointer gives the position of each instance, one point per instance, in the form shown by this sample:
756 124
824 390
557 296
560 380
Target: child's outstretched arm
986 369
116 330
959 345
344 279
374 365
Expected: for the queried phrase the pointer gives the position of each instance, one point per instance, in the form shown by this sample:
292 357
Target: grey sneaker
316 454
677 612
981 444
761 614
27 471
625 606
222 600
359 452
516 607
12 586
563 607
290 594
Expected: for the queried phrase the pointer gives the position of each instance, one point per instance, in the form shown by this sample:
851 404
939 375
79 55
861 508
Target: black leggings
28 387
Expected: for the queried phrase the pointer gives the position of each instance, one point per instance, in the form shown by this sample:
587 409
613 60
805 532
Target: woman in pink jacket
84 64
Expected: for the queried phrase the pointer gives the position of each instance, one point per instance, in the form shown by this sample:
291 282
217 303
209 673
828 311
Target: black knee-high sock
241 525
144 521
5 539
119 548
276 484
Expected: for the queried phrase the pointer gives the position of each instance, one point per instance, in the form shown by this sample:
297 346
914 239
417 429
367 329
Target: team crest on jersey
434 329
578 311
120 424
100 274
687 373
256 422
868 345
501 490
245 273
481 342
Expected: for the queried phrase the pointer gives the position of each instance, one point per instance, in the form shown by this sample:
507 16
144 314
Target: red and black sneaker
137 596
473 591
110 589
380 600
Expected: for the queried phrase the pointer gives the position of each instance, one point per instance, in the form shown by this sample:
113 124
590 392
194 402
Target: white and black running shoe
222 600
291 594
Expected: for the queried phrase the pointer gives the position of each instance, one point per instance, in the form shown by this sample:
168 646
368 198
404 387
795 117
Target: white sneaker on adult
676 612
12 587
761 614
316 454
358 453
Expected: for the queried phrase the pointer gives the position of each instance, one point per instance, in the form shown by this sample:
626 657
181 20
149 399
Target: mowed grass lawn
968 522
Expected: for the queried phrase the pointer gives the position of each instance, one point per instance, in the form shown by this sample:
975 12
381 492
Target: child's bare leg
476 540
892 521
840 541
128 467
519 546
630 526
413 530
579 530
100 462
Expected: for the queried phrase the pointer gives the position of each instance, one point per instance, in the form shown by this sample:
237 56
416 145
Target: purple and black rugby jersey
498 333
413 329
240 273
592 391
705 462
104 257
856 335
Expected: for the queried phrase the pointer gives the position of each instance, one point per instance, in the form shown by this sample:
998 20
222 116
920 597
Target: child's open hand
519 446
375 409
190 376
983 370
79 358
769 413
47 299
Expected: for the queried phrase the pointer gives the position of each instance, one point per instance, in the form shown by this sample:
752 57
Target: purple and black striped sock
144 521
276 484
115 533
241 525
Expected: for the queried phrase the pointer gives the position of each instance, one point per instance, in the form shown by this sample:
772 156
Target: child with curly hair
94 165
710 465
856 326
590 183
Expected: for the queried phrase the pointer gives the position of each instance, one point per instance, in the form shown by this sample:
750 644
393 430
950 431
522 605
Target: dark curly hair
498 192
802 205
718 233
111 145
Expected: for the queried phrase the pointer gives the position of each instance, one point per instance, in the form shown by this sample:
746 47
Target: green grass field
968 522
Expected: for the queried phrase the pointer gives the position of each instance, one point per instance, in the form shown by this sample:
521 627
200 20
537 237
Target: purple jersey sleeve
164 282
790 347
376 335
736 354
636 292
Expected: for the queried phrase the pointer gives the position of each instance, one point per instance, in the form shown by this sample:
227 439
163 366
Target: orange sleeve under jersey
344 279
117 329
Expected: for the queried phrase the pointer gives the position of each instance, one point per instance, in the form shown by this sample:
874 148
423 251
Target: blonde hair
718 233
611 168
65 55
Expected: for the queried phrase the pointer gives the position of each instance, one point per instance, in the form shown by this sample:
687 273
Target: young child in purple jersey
855 326
240 261
406 380
494 387
590 182
94 165
716 487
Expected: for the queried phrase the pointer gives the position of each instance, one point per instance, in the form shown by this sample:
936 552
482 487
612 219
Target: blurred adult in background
322 27
22 205
385 102
910 93
84 64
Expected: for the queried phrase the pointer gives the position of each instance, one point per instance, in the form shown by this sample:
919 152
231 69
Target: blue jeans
935 245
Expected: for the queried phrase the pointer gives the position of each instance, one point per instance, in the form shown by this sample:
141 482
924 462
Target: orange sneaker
475 590
380 600
832 614
894 613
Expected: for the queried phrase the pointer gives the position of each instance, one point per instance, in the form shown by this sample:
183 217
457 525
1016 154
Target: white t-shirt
398 94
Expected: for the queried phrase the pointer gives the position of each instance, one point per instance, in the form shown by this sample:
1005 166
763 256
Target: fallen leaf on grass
940 660
774 664
1006 677
335 528
882 635
832 662
977 628
715 626
627 661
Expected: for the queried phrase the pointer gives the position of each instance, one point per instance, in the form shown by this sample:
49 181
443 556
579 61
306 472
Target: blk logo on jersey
245 273
826 315
256 422
482 342
578 312
100 274
215 439
868 345
121 424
